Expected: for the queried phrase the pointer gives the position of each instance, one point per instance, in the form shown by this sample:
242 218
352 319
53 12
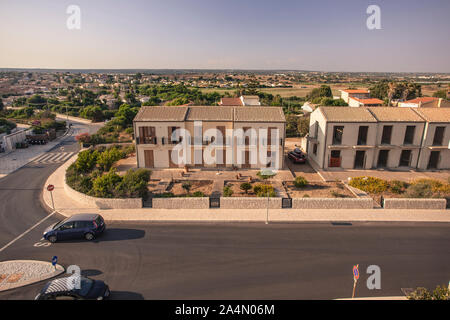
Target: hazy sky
329 35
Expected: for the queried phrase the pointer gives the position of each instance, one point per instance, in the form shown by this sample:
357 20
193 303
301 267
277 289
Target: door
66 231
434 160
173 162
335 159
382 158
359 160
148 159
246 163
405 158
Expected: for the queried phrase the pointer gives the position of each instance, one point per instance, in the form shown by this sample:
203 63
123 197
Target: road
225 261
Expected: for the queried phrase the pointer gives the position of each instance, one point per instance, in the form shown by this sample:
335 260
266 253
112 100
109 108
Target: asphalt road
225 261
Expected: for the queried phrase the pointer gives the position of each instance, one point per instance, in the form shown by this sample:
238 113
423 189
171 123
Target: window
316 129
438 136
147 135
338 131
66 226
362 135
315 148
409 135
386 137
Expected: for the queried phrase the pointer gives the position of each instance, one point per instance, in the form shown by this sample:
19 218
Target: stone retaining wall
180 203
249 203
415 204
332 203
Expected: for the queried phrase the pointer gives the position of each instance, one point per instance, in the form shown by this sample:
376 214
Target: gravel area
22 272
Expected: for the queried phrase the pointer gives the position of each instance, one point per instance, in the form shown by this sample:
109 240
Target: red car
297 157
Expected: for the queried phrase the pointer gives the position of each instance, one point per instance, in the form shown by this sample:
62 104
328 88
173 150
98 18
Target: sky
322 35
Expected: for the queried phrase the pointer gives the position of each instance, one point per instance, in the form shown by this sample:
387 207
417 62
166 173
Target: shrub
245 186
79 182
107 158
264 190
105 185
306 196
186 186
134 184
300 182
440 293
266 174
369 184
427 188
86 160
397 186
198 194
227 192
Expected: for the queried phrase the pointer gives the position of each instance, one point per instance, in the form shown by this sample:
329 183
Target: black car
86 226
66 289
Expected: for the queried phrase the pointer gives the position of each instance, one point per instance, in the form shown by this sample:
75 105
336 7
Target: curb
5 286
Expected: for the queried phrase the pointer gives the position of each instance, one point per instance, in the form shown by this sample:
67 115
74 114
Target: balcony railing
146 140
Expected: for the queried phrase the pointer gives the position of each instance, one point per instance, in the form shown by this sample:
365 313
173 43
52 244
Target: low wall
415 204
332 203
180 203
249 203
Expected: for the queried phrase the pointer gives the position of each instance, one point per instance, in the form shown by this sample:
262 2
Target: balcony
146 140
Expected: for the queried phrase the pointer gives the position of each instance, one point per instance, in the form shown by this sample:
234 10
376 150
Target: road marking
52 157
28 230
42 244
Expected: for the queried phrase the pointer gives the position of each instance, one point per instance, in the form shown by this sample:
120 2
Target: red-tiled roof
355 91
369 101
230 102
422 99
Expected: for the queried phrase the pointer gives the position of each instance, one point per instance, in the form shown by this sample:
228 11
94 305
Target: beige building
379 137
355 93
425 102
211 138
370 102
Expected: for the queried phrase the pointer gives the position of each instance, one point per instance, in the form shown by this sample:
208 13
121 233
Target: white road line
45 157
52 158
60 156
20 236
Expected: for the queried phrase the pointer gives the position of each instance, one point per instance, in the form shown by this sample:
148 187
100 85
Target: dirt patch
238 192
319 190
204 186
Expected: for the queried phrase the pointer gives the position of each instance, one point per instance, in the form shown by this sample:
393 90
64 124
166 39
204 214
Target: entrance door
359 160
382 158
246 163
405 158
148 159
434 160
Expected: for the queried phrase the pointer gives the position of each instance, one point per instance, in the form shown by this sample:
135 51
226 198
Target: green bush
245 186
369 184
105 185
300 182
227 191
264 190
427 188
440 293
134 184
86 160
198 194
187 186
397 186
107 158
79 182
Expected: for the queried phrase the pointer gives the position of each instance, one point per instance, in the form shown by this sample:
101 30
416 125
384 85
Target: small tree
440 293
227 191
245 187
186 186
300 182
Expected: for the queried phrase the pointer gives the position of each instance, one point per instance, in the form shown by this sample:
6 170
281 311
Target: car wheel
52 239
89 236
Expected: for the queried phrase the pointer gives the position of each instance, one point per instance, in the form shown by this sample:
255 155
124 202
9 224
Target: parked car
65 289
87 226
296 158
299 152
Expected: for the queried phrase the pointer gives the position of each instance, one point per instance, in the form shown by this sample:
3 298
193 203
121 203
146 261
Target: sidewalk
67 207
16 159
